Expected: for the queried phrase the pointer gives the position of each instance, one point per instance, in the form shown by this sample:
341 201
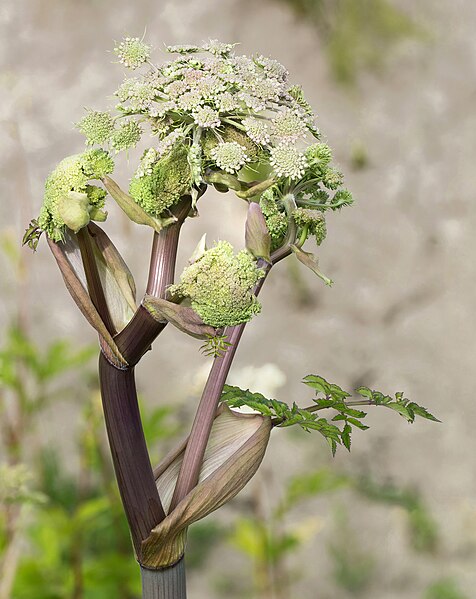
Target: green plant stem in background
164 584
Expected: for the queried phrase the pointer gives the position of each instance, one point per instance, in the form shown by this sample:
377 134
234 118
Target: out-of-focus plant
235 123
446 588
78 541
270 534
357 34
353 567
31 380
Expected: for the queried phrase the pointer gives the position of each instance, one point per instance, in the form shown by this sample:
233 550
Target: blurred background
393 83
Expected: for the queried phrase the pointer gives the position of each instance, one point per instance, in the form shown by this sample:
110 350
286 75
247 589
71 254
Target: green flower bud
220 286
314 220
343 197
170 179
73 209
276 221
96 126
332 178
318 155
126 136
97 164
72 175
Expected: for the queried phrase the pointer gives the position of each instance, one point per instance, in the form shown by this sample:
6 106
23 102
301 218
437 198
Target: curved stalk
168 583
202 425
136 338
93 280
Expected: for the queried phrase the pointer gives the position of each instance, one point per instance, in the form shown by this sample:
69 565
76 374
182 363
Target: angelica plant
209 117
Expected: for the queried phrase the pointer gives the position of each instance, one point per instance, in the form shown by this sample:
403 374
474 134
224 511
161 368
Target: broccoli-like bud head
276 221
230 134
126 136
319 155
96 126
163 183
97 164
332 178
312 219
219 286
69 200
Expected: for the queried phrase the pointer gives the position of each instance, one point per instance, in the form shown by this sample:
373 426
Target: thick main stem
202 425
129 452
168 583
135 478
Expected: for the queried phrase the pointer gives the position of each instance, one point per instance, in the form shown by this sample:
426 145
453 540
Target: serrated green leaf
317 382
402 410
354 413
357 423
346 436
422 412
365 392
339 417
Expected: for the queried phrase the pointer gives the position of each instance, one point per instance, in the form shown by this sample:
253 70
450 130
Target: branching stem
357 402
202 425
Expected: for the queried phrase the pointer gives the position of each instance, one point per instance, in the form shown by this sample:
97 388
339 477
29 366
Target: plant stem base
168 583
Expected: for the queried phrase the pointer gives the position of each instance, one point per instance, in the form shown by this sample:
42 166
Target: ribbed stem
168 583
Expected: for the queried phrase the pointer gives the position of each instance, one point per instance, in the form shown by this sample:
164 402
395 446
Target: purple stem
202 425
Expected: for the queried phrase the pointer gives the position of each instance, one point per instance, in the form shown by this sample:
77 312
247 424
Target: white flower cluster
211 88
132 52
229 156
230 111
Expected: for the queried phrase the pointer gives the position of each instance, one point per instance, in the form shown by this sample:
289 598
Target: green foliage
202 537
215 345
328 396
282 414
446 588
353 567
406 408
43 366
357 35
422 527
